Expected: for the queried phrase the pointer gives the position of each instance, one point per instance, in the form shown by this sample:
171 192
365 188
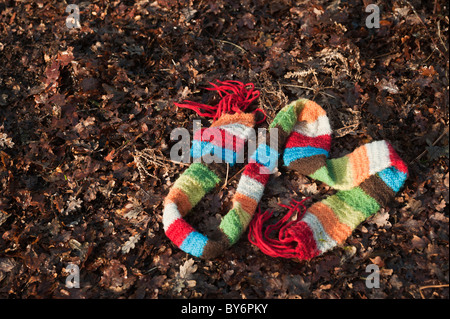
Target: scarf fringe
287 245
236 97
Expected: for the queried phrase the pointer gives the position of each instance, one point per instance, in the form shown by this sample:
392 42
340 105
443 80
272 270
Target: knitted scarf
234 126
366 180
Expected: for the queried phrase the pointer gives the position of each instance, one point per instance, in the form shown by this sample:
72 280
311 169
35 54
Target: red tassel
236 98
291 234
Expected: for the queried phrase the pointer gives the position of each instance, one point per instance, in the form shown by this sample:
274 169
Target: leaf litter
85 122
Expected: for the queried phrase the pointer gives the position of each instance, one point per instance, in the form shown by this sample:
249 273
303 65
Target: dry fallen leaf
110 156
377 261
414 205
184 277
86 117
73 204
417 243
187 269
130 243
389 86
381 219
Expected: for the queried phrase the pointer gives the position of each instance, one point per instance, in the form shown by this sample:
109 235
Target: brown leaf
65 57
377 261
89 84
116 277
110 156
388 86
52 74
187 269
7 264
428 71
381 219
414 205
248 20
417 243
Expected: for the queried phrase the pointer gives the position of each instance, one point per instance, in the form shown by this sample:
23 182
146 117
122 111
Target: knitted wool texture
366 180
224 140
200 178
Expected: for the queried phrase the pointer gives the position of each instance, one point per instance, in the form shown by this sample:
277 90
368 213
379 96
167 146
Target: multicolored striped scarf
366 180
235 128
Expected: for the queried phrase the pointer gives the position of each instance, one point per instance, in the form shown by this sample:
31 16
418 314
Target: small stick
235 45
439 35
430 286
226 177
434 143
426 28
308 88
234 176
169 160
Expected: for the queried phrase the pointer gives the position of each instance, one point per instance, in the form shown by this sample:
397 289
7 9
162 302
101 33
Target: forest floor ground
79 106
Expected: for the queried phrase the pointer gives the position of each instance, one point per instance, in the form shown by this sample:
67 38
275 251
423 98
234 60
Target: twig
439 35
426 28
233 177
308 88
235 45
382 55
434 143
172 161
226 177
147 157
430 286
